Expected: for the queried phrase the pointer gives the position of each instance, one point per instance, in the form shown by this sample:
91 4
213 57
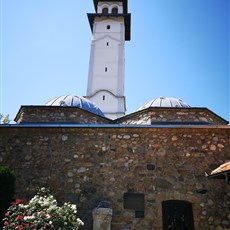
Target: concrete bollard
102 216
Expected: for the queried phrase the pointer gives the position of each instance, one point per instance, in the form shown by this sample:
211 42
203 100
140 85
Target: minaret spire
110 26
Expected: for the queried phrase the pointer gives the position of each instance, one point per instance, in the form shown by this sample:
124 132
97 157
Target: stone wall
154 115
58 114
89 165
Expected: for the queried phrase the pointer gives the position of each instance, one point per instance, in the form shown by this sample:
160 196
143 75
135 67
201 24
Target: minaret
110 26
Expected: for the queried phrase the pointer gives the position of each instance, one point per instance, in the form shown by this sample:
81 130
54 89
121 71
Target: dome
75 101
164 102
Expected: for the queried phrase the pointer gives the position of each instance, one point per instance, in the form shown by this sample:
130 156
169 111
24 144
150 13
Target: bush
42 212
7 182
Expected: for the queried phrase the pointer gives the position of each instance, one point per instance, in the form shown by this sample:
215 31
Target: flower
19 217
41 212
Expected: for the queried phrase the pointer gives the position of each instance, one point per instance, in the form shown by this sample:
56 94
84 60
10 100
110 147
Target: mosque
152 169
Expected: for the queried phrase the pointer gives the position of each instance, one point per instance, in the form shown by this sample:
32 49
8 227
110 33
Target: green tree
7 186
4 119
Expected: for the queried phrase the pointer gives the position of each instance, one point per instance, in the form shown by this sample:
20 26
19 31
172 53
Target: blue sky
178 48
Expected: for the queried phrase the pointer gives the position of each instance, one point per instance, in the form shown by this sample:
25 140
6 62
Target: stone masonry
86 165
57 114
159 114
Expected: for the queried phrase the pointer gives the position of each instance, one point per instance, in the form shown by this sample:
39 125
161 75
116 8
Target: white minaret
110 26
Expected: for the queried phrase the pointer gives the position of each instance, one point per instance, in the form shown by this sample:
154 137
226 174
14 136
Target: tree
4 119
7 187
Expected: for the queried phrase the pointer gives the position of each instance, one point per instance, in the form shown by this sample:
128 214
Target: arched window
108 27
115 10
105 10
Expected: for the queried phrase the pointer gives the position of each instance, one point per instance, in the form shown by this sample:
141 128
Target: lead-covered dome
75 101
164 102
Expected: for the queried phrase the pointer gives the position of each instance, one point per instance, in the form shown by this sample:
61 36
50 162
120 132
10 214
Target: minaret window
108 27
107 43
105 10
106 69
115 10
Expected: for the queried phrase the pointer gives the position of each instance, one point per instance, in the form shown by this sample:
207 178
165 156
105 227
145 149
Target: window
106 69
107 43
115 10
103 97
105 10
177 214
108 27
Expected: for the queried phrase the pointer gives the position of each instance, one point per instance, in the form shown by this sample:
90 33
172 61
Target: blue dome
75 101
164 102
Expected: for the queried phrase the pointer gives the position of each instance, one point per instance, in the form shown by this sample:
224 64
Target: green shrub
41 212
7 188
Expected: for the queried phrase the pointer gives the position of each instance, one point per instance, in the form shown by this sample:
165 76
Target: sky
178 48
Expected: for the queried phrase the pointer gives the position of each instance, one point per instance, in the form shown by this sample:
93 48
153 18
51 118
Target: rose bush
42 212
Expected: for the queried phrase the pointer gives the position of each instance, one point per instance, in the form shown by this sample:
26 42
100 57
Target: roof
75 101
222 172
222 168
165 102
117 126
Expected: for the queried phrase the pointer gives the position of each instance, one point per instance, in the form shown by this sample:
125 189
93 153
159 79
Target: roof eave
221 175
127 18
